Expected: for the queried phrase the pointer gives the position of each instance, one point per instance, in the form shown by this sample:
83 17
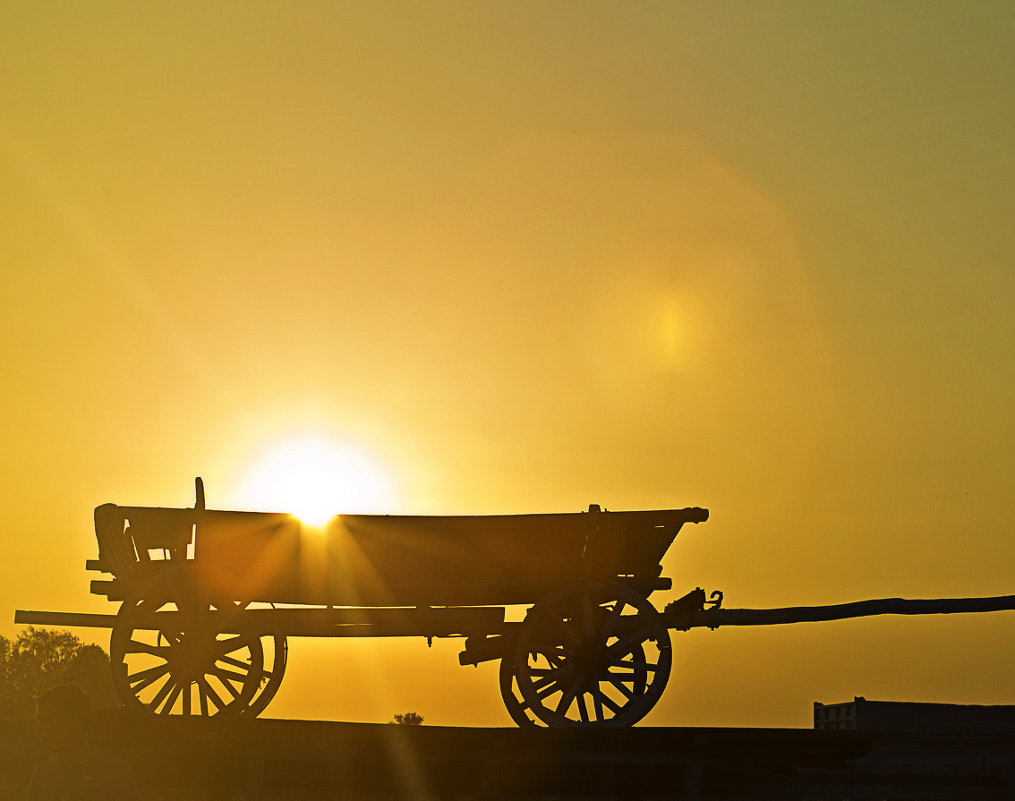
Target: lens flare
315 477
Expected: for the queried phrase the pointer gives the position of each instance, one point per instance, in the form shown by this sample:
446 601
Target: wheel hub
188 656
592 657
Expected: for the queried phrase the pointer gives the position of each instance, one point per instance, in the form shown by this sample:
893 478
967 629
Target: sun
314 477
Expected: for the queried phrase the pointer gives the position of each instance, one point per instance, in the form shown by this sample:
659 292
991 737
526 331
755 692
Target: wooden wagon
208 599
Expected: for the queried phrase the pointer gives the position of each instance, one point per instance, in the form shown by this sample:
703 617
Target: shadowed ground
214 759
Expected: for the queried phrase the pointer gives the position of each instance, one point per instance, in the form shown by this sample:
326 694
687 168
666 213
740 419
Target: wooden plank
38 618
304 622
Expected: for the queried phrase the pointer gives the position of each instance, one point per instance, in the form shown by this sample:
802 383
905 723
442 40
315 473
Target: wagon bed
383 560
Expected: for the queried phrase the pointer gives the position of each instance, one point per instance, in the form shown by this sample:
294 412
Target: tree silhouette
41 658
408 719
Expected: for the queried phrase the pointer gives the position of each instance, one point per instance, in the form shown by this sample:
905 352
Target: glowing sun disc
315 478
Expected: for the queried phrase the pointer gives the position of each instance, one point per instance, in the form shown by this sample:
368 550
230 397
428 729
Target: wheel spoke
555 672
140 680
234 662
568 698
597 700
627 678
225 682
229 675
545 681
548 689
230 644
547 684
210 694
628 694
160 696
583 712
168 707
606 701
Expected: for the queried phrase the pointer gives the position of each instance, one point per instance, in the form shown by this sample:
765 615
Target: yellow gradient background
524 257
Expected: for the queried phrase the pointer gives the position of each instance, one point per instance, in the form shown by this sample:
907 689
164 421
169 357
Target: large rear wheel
171 656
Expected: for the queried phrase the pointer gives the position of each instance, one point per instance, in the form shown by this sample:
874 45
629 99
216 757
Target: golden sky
523 257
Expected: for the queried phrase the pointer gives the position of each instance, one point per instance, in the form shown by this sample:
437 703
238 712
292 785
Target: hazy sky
523 257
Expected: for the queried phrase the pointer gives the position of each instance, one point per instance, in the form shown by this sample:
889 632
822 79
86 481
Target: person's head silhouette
76 769
61 718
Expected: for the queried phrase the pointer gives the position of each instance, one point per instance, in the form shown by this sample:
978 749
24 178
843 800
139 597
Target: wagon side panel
632 544
250 556
451 560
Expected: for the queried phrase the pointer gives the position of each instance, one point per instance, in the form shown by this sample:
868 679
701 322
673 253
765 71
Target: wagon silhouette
208 599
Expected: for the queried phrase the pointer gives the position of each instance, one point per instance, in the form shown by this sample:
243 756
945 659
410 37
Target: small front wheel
590 654
518 708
